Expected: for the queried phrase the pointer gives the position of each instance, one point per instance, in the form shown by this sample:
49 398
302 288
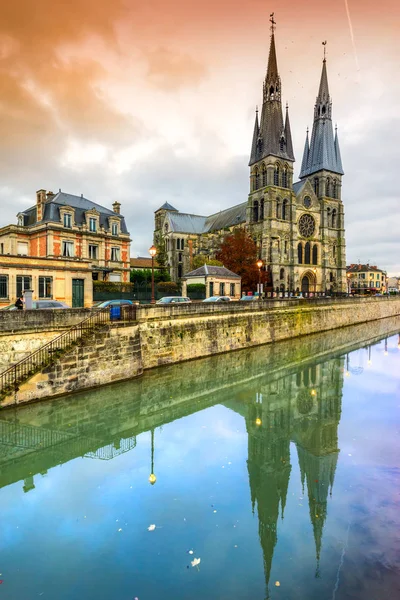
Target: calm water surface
277 472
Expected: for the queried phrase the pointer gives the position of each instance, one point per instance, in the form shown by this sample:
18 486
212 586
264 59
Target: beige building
365 279
61 236
219 281
394 284
65 279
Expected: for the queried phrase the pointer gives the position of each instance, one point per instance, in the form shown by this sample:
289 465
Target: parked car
174 300
217 299
113 303
249 298
40 305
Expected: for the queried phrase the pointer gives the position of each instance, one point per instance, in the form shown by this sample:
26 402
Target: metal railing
47 354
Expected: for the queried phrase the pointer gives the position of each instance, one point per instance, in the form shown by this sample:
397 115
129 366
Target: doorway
305 285
78 298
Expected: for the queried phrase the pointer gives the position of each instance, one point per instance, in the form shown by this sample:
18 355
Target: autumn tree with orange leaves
238 253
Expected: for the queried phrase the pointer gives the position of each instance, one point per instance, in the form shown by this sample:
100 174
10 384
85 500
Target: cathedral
298 226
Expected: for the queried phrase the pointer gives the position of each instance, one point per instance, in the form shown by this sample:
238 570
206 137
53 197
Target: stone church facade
298 226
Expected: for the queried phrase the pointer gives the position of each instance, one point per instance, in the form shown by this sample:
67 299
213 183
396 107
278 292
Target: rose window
306 225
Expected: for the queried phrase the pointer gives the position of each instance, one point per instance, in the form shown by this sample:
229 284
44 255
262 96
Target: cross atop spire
324 45
273 23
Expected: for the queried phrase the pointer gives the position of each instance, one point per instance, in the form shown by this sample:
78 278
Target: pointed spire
322 152
254 144
337 152
323 92
288 135
305 154
272 70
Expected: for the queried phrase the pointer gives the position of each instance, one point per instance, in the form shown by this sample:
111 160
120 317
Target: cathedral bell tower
322 166
271 198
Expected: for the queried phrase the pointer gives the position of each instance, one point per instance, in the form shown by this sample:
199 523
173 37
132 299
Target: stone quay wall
167 335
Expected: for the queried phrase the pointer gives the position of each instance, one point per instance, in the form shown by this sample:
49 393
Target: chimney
40 200
116 207
50 195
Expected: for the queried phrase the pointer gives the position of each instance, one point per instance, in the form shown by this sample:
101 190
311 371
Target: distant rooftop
211 270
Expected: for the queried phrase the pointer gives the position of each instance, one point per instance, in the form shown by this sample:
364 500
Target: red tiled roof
142 262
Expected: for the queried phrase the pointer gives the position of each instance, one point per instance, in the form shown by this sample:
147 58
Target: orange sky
152 101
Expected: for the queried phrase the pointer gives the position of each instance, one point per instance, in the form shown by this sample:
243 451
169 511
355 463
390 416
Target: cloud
170 71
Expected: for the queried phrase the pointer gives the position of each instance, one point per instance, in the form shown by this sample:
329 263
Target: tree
202 259
238 253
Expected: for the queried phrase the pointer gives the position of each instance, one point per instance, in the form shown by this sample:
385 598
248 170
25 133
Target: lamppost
259 264
152 252
152 478
349 283
315 281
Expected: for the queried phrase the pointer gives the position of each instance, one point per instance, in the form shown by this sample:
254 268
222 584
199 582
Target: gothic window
257 179
285 209
331 277
315 255
285 247
334 219
261 215
180 269
282 274
334 189
307 201
166 227
271 92
307 254
264 176
284 178
182 243
328 187
276 175
334 252
316 186
278 209
282 145
255 211
300 253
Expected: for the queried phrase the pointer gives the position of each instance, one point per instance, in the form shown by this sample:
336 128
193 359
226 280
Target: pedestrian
19 303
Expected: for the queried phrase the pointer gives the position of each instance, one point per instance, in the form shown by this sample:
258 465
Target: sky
147 102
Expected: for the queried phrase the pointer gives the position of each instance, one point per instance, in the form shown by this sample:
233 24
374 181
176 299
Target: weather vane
324 45
273 22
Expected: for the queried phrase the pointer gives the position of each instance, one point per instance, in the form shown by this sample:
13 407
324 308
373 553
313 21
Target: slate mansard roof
213 271
187 223
81 205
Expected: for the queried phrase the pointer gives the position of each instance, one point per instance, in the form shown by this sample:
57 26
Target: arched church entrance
308 283
305 284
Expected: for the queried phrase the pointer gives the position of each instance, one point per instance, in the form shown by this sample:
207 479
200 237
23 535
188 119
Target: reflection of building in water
303 408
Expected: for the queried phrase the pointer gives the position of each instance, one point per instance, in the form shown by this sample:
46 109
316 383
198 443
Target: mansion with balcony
59 246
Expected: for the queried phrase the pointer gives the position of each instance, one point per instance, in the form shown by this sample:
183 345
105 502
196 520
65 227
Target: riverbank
168 335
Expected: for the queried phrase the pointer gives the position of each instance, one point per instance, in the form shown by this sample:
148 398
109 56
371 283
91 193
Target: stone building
218 281
67 233
298 227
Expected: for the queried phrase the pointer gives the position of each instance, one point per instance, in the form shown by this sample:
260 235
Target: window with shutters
68 249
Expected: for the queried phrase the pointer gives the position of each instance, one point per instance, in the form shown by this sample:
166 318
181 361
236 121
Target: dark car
174 300
217 299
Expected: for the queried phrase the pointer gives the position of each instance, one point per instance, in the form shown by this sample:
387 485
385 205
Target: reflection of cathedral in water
303 408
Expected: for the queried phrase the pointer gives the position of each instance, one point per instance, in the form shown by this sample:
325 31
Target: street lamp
349 283
152 252
152 478
259 264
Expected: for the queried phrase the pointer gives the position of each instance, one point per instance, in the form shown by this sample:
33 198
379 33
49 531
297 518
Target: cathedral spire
305 153
288 135
322 153
253 155
274 136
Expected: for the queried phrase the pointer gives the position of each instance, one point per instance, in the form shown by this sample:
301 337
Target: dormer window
114 229
68 220
20 221
92 224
